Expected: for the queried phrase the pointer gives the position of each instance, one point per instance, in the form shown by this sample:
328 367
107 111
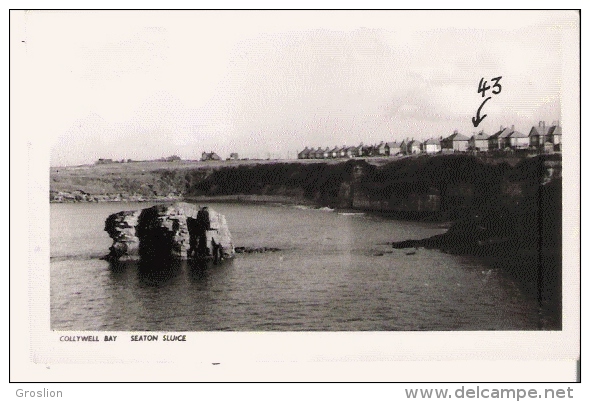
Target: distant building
335 152
343 151
392 148
413 147
494 141
518 140
358 151
304 154
504 138
538 136
234 156
455 142
431 146
319 153
104 161
404 146
554 136
350 152
210 156
479 142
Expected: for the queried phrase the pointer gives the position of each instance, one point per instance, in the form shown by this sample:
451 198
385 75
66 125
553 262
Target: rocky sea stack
179 230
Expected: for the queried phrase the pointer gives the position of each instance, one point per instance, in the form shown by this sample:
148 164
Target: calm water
334 274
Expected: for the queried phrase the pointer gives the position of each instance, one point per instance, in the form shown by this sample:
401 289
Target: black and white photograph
210 172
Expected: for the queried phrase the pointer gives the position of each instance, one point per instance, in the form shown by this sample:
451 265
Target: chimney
455 132
501 128
513 127
557 123
540 124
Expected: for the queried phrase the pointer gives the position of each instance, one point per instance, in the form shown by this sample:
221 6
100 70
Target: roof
503 133
538 130
432 141
394 144
456 136
554 130
414 142
517 134
480 136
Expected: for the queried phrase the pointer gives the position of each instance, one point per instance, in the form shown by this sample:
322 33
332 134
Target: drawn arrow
476 120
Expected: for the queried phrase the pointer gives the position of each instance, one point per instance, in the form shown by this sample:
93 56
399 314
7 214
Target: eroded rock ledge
168 231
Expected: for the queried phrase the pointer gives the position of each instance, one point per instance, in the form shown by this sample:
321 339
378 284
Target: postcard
302 195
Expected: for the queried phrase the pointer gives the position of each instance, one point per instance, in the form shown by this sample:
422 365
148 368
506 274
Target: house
351 152
508 138
234 156
358 151
518 140
380 149
210 156
392 148
368 150
455 142
504 138
431 146
538 136
335 152
413 147
479 142
403 147
311 154
343 152
497 140
301 155
319 153
554 136
354 152
327 153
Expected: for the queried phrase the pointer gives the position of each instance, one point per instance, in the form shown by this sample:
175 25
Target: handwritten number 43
483 87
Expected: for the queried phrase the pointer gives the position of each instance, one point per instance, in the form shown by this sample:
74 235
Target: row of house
540 138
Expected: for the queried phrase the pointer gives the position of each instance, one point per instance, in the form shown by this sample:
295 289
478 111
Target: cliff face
445 186
163 230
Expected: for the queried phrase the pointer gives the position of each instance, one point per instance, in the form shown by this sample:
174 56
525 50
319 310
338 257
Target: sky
149 84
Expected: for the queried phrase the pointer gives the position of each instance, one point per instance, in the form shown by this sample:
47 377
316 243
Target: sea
334 271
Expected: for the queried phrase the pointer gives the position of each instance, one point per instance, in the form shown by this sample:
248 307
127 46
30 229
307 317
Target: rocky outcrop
165 231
